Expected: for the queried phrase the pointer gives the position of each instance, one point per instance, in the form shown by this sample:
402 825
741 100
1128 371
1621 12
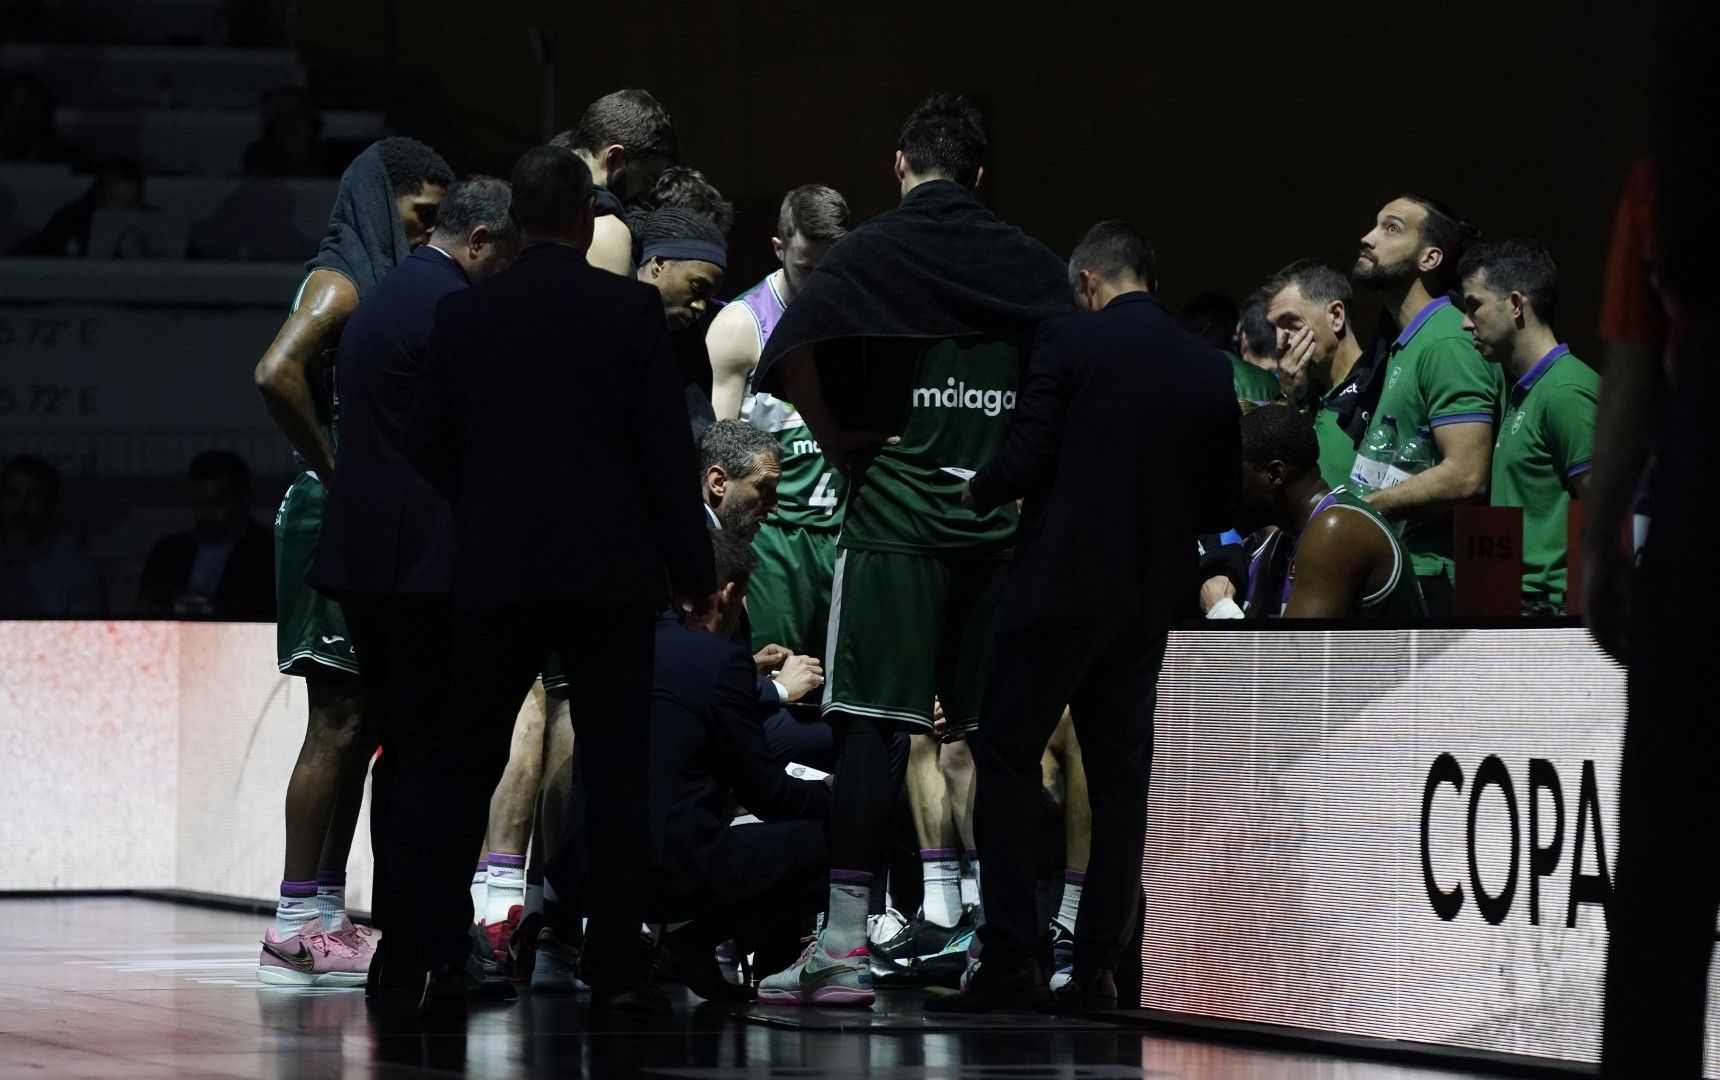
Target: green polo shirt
1337 449
1544 445
1435 377
1251 383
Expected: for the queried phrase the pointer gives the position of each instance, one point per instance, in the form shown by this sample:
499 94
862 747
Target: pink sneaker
357 935
312 957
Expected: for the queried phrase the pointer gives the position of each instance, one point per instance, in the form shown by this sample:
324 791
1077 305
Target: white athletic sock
331 900
850 902
507 886
941 870
970 880
297 909
1071 906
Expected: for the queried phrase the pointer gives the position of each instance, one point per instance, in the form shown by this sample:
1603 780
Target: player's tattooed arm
282 375
733 344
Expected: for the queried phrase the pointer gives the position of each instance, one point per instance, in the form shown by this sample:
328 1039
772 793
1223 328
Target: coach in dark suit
551 414
754 882
1124 446
385 552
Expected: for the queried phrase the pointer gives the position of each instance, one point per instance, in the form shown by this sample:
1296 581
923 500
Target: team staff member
1434 378
1124 448
1308 304
1547 437
385 552
385 207
534 569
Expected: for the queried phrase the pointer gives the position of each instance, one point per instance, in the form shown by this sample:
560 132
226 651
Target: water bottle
1375 457
1414 456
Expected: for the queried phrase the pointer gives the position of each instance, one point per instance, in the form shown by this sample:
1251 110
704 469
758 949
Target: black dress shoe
1093 992
455 988
642 1002
683 960
997 986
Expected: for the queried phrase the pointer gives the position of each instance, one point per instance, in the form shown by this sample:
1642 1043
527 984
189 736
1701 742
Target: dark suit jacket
551 414
246 592
1124 444
707 742
385 530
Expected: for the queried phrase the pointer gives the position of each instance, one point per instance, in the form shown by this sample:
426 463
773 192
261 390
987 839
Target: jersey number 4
824 495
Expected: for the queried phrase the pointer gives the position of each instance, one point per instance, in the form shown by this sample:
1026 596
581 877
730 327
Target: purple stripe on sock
298 888
938 854
1074 877
850 877
335 879
498 858
481 868
972 854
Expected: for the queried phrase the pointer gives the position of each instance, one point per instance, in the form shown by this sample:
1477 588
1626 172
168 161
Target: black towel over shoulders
939 265
365 239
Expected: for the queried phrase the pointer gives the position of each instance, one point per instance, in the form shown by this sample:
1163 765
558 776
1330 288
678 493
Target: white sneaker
818 978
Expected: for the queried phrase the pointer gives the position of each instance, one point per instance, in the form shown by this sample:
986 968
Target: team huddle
878 440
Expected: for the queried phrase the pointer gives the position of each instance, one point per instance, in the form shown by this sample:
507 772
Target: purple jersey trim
1461 418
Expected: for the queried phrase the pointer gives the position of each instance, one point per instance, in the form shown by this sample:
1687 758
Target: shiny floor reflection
139 988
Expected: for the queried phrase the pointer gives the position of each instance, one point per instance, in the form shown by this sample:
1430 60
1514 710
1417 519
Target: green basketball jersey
1400 597
1251 383
809 495
950 400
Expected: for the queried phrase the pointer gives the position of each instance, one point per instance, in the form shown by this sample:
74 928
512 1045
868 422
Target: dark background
1239 135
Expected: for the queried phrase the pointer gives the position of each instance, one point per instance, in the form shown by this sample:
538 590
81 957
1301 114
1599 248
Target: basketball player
796 548
1334 556
683 254
903 351
386 206
626 139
